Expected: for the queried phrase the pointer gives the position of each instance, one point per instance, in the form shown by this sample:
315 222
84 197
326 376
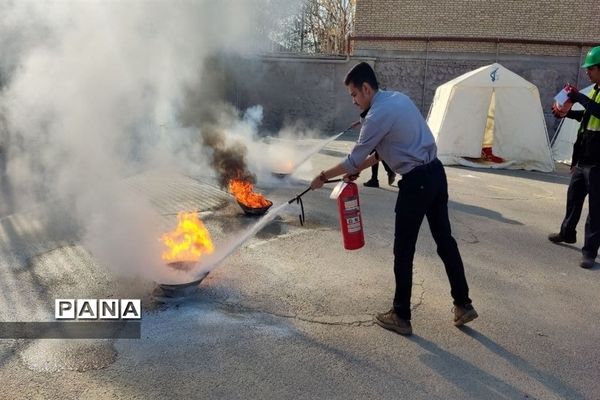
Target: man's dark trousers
424 192
584 180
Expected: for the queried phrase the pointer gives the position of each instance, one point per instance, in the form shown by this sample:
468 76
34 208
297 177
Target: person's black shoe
391 321
558 238
587 262
372 183
464 314
391 178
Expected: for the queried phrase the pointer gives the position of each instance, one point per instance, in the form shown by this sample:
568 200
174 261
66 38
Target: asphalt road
289 314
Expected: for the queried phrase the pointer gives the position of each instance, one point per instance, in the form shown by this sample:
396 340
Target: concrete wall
311 91
304 90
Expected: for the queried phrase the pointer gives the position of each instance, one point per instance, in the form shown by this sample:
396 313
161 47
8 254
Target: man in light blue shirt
394 127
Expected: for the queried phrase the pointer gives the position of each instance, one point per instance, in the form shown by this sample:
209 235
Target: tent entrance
487 144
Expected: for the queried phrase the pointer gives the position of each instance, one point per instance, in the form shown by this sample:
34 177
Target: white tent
490 107
562 144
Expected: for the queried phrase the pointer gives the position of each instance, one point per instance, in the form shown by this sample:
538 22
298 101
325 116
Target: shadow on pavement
249 357
551 382
482 212
8 350
568 246
559 176
474 381
578 249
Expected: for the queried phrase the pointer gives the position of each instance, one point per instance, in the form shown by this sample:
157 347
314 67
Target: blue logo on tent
493 75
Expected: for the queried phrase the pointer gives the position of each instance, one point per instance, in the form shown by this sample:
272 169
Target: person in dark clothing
585 167
374 181
394 127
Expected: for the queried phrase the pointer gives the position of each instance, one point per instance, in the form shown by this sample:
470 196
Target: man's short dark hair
360 74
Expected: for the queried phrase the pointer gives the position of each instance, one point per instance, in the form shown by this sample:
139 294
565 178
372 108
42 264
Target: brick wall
515 19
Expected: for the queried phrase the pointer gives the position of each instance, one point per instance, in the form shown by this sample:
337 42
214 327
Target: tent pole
556 131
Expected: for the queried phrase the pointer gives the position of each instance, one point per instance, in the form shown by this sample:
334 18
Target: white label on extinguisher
353 224
351 204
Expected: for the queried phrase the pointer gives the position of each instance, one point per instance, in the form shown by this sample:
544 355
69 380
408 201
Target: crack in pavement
330 320
324 320
419 302
342 320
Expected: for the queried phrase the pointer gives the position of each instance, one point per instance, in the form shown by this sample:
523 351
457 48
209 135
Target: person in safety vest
394 127
585 167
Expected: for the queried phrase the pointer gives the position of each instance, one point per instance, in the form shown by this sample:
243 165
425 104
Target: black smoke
227 159
206 109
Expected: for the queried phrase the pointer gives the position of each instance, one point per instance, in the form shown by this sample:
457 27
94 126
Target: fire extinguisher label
351 205
353 224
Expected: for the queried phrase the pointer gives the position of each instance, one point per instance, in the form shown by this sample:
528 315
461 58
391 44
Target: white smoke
88 88
266 156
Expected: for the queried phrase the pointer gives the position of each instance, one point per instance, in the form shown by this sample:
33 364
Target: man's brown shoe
390 320
464 314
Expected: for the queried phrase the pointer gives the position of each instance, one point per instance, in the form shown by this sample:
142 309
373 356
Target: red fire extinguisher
350 219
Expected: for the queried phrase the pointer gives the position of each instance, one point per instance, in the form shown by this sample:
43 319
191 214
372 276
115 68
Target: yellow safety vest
594 123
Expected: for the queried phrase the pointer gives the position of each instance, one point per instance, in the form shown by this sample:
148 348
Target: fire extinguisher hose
298 200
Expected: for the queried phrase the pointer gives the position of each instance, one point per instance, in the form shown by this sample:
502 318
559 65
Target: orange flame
189 241
244 193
